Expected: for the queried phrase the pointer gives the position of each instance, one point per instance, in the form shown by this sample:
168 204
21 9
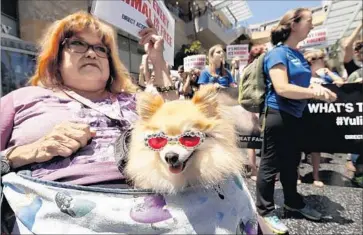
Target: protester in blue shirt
216 72
288 89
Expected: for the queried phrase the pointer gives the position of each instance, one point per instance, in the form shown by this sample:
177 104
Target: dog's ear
147 104
206 100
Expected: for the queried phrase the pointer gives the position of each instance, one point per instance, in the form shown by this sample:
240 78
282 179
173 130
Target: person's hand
339 83
153 43
324 94
64 140
217 85
326 71
359 80
317 89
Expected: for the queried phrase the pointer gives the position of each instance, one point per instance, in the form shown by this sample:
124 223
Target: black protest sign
335 127
247 124
327 127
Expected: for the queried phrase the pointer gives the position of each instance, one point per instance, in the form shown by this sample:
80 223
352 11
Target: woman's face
317 62
303 27
85 69
218 56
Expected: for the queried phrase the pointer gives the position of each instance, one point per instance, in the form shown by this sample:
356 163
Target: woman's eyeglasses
79 46
189 140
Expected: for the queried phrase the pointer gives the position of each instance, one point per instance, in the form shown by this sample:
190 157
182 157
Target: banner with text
240 51
131 15
335 127
327 127
316 38
195 62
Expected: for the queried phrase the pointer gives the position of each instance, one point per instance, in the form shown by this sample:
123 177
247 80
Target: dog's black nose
171 158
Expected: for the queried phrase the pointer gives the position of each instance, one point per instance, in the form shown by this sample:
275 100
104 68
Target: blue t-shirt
298 72
205 77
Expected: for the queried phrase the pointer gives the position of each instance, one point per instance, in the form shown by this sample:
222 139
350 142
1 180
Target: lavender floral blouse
30 113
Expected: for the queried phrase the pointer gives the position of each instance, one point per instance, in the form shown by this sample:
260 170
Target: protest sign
315 38
240 51
131 15
335 127
194 61
327 127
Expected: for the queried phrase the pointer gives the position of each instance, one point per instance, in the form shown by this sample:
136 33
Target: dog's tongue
176 169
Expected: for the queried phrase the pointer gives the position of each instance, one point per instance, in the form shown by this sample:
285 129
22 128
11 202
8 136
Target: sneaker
307 212
275 224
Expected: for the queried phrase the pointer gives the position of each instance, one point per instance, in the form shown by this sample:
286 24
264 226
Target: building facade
260 33
24 23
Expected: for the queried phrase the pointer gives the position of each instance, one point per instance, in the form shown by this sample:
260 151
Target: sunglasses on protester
79 46
317 58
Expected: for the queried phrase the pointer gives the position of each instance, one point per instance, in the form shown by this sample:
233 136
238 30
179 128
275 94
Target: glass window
10 8
136 57
125 58
16 68
123 43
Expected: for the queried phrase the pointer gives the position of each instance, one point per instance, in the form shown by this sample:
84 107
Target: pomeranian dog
182 143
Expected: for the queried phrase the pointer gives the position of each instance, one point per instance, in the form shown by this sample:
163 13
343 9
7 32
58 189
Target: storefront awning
235 11
342 18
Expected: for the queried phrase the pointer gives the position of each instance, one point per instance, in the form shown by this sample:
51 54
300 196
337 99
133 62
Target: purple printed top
29 113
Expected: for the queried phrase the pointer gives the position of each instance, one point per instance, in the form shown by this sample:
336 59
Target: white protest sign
131 15
194 61
240 51
315 38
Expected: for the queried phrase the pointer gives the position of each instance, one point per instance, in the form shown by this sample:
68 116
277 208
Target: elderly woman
63 128
78 87
65 135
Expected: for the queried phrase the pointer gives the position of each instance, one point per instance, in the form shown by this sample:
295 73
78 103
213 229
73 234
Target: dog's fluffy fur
212 162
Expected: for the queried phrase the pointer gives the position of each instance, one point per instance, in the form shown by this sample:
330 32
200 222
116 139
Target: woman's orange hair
47 68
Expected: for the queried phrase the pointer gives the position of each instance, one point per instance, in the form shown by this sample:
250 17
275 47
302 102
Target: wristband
5 162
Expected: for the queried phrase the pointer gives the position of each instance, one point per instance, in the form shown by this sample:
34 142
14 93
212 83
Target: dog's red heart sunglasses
189 140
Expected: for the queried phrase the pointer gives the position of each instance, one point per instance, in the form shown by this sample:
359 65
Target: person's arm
335 77
203 78
231 80
280 82
64 140
348 44
154 47
187 84
141 76
145 69
7 114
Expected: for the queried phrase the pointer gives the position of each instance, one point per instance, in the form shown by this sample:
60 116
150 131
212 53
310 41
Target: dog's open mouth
179 166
